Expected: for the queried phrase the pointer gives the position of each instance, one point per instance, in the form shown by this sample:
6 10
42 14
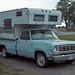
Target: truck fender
39 50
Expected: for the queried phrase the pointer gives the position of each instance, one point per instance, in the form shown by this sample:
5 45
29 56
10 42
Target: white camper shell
11 22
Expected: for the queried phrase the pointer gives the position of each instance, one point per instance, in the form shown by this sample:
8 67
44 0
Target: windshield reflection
42 35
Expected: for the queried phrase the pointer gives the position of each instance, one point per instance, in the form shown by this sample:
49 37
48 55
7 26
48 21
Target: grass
67 37
2 71
66 30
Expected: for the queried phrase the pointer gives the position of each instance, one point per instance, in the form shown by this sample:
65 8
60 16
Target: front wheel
4 53
41 60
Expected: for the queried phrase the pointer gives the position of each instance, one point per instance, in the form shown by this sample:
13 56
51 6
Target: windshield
42 35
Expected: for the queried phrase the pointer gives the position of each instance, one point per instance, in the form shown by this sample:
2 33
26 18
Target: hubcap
4 53
41 60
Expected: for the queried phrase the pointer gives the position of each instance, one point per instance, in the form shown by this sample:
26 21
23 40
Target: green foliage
67 7
72 14
1 71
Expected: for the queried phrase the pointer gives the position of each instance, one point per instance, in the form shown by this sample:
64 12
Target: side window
25 35
38 17
19 13
7 23
53 18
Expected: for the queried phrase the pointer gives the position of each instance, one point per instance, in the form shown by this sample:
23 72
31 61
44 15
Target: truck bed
10 44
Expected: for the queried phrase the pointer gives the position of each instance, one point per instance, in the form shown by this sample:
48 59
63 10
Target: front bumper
63 57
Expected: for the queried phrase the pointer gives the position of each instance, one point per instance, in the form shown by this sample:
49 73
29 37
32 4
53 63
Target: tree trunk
66 25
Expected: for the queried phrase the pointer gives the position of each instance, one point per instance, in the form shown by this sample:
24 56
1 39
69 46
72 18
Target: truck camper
23 32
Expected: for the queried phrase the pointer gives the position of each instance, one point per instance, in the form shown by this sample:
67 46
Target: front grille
66 47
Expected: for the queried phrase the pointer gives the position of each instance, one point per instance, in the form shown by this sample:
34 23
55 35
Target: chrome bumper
63 57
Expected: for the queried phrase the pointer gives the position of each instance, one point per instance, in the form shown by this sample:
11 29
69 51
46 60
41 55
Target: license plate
71 58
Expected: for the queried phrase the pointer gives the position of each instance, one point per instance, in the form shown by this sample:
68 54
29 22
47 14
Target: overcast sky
16 4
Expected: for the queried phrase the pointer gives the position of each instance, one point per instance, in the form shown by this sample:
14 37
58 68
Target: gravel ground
29 64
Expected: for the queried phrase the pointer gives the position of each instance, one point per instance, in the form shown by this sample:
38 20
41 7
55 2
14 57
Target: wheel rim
4 53
41 60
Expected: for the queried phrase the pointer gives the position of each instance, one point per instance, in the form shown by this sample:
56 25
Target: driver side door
24 47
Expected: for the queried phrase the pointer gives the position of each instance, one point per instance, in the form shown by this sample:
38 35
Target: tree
65 6
72 13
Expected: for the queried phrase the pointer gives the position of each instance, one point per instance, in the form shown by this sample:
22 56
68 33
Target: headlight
55 50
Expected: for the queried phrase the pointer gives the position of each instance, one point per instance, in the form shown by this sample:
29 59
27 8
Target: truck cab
32 40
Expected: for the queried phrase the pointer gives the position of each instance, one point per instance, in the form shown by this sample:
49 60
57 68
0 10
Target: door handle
31 44
26 41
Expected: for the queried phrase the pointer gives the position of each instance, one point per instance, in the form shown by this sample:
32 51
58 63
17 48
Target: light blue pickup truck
40 44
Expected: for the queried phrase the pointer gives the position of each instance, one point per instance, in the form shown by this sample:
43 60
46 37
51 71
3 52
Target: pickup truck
40 44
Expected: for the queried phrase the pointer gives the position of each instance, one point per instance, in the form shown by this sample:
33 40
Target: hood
55 42
61 42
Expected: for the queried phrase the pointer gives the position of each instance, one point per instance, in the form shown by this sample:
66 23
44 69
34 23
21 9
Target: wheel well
38 52
1 47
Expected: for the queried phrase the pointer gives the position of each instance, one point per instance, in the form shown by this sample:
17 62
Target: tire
4 53
41 60
69 61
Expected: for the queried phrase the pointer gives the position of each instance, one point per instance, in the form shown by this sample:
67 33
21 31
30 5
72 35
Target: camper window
7 23
38 17
19 13
53 18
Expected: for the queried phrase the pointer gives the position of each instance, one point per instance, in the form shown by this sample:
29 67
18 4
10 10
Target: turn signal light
49 11
42 11
46 10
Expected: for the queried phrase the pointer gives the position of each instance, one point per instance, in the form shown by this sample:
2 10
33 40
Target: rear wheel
41 60
4 53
